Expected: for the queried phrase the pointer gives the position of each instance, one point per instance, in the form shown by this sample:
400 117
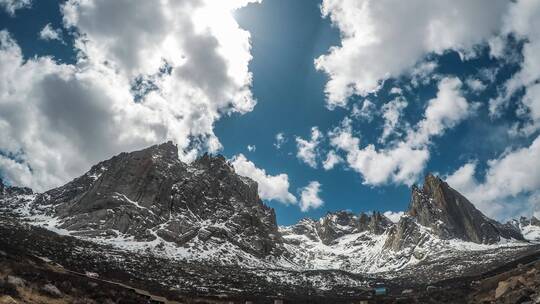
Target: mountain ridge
150 200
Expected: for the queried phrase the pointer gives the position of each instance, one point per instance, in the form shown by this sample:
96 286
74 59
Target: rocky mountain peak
342 218
532 221
212 161
338 224
376 222
167 148
438 206
150 193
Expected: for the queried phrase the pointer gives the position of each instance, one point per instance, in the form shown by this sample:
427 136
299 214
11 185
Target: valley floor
39 266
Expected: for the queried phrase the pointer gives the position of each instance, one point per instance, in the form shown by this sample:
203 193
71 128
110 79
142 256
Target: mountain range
148 204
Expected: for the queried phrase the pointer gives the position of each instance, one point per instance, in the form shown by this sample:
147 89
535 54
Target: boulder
16 281
51 290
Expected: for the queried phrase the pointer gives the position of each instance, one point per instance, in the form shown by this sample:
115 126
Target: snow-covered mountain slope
439 224
529 227
531 232
363 251
150 202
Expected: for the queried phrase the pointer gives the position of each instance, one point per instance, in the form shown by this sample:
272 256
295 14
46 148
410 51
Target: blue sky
459 100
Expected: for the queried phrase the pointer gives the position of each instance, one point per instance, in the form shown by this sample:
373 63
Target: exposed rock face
532 221
450 215
338 224
376 223
436 206
335 225
7 191
529 227
405 234
151 193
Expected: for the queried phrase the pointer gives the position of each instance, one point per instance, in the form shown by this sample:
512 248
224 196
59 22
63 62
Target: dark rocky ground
176 280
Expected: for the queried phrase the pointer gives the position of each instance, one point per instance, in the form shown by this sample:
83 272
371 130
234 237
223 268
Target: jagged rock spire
451 215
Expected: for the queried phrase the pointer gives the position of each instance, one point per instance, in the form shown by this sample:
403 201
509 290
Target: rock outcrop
449 215
529 227
9 191
151 193
338 224
532 221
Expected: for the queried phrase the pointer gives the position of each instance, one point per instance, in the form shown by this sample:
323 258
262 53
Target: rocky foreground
94 273
146 225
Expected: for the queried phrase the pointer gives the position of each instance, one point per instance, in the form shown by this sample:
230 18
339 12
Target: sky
329 105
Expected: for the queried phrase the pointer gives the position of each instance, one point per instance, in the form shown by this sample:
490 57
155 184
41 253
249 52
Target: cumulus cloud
251 148
10 6
443 112
496 47
475 85
59 119
49 33
423 73
307 149
280 140
523 22
332 159
374 46
271 187
391 112
509 185
402 161
366 112
309 196
396 90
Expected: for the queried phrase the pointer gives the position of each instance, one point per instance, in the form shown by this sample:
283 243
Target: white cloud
10 6
475 85
50 33
531 108
496 47
307 149
402 161
523 21
251 148
423 73
512 175
396 90
391 112
366 112
271 187
374 46
280 140
332 159
59 119
309 196
394 216
444 111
